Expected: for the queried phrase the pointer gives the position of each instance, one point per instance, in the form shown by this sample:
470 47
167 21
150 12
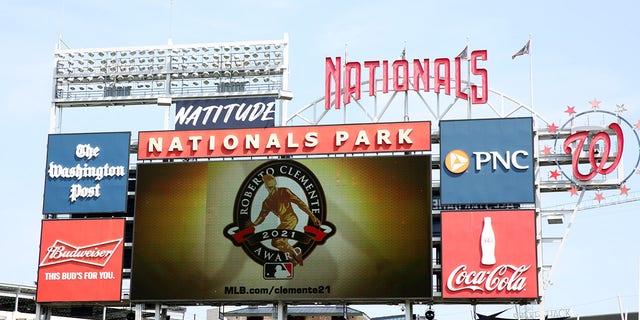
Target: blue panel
225 113
87 173
499 155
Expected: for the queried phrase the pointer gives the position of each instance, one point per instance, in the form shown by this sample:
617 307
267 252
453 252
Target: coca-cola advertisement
80 260
489 254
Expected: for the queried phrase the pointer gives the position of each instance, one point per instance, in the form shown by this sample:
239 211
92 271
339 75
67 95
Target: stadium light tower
157 74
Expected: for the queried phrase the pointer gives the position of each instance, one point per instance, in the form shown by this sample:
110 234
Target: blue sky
581 50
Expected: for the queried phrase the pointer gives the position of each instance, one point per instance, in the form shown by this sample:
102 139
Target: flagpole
541 284
468 81
346 60
406 93
464 55
531 77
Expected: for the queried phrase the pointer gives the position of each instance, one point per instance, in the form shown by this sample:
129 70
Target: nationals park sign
331 139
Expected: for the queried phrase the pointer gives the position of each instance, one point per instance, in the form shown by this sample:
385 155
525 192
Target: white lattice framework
419 105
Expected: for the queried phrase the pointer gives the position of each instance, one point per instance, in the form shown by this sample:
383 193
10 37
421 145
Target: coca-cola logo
97 254
489 254
503 278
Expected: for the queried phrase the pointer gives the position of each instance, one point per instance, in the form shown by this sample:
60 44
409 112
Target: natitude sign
225 113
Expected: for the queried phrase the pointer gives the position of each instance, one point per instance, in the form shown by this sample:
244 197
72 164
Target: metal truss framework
164 74
437 107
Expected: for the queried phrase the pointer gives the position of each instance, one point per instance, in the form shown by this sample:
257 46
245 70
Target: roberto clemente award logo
279 217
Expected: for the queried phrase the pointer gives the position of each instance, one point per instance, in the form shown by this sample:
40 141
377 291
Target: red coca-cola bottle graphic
488 243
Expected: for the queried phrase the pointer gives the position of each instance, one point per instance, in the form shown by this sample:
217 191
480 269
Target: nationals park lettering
349 85
333 139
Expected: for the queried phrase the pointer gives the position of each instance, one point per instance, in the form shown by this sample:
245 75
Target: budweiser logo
502 278
94 254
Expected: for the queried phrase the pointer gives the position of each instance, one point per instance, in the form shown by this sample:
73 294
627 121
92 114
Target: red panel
506 270
356 138
80 260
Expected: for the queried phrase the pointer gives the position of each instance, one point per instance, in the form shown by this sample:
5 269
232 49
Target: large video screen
330 229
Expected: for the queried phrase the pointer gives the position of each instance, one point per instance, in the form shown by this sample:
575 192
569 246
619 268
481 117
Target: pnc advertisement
321 229
487 161
489 254
80 260
87 173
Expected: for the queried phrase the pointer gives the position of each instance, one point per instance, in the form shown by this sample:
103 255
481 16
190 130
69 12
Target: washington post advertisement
328 229
87 173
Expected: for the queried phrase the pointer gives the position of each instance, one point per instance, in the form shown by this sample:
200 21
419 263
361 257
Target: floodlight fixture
285 95
146 72
164 101
555 216
555 219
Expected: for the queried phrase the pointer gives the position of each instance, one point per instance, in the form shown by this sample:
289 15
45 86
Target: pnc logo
456 161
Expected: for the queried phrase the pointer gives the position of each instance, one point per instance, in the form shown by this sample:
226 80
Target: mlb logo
282 270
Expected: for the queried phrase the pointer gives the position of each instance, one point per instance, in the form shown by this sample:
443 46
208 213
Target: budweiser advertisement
80 260
331 139
489 254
